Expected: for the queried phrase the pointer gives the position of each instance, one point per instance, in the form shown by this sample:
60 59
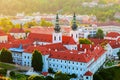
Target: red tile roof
43 50
81 47
68 40
71 55
2 33
55 46
113 34
10 38
25 42
88 73
98 52
45 73
42 30
40 37
17 30
97 41
4 45
114 44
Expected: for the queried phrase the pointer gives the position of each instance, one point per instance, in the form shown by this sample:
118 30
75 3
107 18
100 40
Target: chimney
90 45
98 48
80 45
85 50
35 44
56 50
94 48
49 49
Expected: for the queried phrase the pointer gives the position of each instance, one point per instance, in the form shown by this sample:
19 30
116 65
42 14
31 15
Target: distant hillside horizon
101 8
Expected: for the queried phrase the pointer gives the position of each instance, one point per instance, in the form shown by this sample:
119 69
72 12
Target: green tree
37 62
35 77
50 70
12 74
6 56
61 76
84 41
49 78
100 34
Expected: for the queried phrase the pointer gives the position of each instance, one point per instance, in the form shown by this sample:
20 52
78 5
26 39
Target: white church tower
74 32
57 35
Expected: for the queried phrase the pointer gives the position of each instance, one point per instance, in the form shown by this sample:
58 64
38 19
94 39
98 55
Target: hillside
11 7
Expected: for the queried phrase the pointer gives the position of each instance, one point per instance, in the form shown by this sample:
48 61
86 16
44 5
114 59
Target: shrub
12 74
3 71
49 78
50 70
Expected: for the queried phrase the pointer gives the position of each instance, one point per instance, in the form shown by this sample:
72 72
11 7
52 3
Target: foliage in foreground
108 74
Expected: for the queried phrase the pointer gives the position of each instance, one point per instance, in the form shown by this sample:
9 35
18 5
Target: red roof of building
97 41
25 42
71 55
114 44
2 33
81 47
40 37
42 49
113 34
88 73
97 52
17 30
10 38
45 73
42 30
4 45
68 40
55 46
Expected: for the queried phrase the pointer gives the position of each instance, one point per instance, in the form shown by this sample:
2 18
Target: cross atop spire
57 27
74 25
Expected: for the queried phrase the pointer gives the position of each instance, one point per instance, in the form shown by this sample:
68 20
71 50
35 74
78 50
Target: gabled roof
114 44
113 34
30 49
88 73
68 40
17 30
40 37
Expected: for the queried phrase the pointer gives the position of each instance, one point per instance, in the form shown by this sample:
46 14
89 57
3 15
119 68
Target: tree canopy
61 76
11 7
84 41
100 34
6 56
37 62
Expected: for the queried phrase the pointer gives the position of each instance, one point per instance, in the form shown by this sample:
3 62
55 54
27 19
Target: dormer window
59 38
54 37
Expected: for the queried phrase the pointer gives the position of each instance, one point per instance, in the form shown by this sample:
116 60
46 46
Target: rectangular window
54 37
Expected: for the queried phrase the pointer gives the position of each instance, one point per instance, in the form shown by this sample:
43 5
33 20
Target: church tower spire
57 27
57 35
74 25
